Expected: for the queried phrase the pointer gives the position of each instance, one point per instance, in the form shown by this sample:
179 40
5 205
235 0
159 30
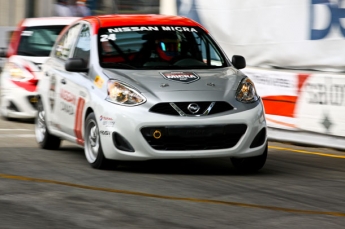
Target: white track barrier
303 106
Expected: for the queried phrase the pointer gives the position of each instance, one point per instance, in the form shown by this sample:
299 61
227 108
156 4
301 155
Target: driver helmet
169 47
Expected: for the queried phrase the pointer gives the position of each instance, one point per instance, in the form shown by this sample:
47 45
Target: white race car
140 87
29 47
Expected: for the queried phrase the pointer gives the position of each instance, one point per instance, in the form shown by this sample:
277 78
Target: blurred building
13 11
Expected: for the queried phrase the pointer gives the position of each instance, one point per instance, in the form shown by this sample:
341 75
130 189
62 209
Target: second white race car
29 47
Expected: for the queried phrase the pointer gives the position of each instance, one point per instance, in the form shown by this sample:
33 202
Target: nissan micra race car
141 87
29 47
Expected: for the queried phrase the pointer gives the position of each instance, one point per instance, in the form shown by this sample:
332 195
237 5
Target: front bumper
16 102
131 122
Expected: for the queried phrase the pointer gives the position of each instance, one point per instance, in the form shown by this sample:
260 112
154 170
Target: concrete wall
44 8
12 12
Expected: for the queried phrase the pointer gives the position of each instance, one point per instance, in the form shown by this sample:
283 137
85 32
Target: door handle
63 81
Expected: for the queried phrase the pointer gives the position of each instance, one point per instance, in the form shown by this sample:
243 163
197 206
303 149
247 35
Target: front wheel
43 137
250 164
93 148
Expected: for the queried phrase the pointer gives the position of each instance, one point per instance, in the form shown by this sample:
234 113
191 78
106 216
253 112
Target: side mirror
238 61
76 65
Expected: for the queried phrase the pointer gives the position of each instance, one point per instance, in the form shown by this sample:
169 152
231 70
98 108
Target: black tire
93 148
43 137
250 164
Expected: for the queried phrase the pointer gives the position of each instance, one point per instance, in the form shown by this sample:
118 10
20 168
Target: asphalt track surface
299 187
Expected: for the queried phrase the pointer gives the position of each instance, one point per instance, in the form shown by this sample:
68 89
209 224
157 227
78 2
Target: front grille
33 101
193 137
168 109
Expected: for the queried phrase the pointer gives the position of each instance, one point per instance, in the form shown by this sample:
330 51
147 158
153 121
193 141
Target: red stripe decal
79 121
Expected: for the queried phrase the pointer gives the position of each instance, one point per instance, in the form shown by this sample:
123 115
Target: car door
75 87
62 97
50 83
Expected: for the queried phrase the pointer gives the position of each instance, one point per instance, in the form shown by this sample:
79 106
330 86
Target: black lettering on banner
322 94
337 95
271 81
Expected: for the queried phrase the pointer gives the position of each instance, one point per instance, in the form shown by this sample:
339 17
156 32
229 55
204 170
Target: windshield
158 47
38 40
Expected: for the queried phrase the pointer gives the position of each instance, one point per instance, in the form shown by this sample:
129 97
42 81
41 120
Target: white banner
295 34
321 104
309 102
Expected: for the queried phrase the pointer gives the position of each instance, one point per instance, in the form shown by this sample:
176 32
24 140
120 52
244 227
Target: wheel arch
88 111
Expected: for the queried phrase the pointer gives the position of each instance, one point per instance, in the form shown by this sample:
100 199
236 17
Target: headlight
18 73
122 94
246 92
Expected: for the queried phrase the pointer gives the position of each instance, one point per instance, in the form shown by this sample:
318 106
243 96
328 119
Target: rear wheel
93 148
250 164
44 139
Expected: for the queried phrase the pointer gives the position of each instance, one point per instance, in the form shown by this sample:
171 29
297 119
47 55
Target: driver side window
82 49
66 42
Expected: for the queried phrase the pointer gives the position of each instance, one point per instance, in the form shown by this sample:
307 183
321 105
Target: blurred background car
29 47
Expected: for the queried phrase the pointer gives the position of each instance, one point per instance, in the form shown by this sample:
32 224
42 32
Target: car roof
115 20
44 21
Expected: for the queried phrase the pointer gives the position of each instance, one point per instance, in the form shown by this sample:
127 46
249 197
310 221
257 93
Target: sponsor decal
109 123
184 77
104 132
27 33
68 96
148 28
52 92
101 118
99 81
105 37
68 101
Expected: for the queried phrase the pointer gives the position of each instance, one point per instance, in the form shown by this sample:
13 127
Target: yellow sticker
99 81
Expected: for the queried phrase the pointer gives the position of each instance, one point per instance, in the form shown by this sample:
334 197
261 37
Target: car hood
155 81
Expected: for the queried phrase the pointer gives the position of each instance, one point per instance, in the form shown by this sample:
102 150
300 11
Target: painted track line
17 135
186 199
307 152
15 130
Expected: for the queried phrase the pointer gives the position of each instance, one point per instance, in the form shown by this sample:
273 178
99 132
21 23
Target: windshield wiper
120 65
